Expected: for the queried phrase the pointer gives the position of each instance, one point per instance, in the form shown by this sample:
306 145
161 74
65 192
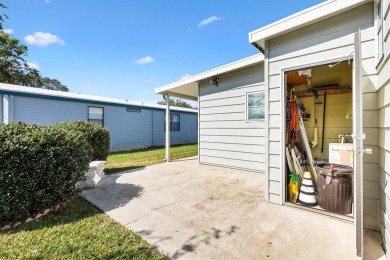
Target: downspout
167 129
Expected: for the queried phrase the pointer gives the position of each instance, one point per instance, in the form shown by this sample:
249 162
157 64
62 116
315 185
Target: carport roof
188 88
301 19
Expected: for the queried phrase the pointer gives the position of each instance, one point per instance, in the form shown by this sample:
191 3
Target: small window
96 115
379 30
134 110
255 106
175 122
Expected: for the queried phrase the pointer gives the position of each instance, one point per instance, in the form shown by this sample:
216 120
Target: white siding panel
370 101
274 121
274 134
274 187
274 174
370 189
231 124
274 198
234 131
236 116
236 100
274 108
223 109
256 140
274 148
256 149
274 161
253 157
212 95
225 137
240 164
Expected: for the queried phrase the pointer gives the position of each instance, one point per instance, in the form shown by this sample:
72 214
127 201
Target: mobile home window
174 122
96 115
255 109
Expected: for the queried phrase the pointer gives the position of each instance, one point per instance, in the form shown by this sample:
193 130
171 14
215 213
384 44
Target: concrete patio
191 211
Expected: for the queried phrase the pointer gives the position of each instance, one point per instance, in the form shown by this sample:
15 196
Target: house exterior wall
128 130
384 129
327 40
188 129
225 137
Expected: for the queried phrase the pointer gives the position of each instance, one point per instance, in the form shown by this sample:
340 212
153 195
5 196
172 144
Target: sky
126 48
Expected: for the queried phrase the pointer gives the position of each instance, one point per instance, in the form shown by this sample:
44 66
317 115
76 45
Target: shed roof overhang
188 88
301 19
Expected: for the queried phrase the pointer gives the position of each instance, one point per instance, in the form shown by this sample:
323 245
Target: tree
14 68
175 102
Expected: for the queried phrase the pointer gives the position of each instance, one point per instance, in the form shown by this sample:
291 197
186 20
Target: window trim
90 120
247 106
133 110
378 29
171 123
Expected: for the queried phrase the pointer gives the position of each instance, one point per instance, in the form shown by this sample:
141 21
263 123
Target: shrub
97 136
39 167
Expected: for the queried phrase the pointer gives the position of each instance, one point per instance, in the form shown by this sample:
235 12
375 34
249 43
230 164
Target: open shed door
358 144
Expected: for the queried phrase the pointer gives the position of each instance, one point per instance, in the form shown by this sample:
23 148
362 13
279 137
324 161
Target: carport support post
167 130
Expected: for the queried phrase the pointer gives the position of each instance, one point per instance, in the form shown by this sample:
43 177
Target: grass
122 161
77 231
80 231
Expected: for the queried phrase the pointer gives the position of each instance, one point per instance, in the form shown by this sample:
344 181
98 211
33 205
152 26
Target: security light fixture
214 82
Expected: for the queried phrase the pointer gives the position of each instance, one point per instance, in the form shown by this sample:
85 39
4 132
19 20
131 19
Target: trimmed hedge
39 167
97 136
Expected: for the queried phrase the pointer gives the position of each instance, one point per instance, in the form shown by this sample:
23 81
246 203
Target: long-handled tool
307 148
323 125
315 138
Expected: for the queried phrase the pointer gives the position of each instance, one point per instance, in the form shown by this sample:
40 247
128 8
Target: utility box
340 153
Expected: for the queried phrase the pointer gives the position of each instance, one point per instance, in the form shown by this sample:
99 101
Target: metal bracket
359 137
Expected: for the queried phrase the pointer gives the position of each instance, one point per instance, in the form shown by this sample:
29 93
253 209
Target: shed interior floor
322 96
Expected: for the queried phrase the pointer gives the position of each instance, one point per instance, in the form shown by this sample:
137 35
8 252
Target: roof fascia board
59 98
213 72
303 18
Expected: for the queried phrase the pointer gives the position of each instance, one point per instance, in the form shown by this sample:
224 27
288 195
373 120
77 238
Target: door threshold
346 218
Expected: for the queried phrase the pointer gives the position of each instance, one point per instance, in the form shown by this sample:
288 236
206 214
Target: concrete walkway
191 211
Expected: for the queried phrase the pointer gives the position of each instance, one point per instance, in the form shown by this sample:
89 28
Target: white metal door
358 145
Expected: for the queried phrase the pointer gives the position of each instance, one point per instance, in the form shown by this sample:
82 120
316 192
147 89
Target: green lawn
121 161
78 231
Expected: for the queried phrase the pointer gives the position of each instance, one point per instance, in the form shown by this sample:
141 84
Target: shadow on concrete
204 238
109 194
148 235
122 170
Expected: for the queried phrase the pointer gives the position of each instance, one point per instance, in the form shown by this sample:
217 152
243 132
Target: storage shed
341 51
132 125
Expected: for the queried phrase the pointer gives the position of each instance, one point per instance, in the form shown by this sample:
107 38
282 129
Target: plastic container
334 188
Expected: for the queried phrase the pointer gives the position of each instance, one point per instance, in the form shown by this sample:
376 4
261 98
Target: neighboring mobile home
132 125
339 46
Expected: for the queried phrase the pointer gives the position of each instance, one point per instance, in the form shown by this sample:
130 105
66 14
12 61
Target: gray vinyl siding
330 39
46 111
188 129
128 130
225 137
384 130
